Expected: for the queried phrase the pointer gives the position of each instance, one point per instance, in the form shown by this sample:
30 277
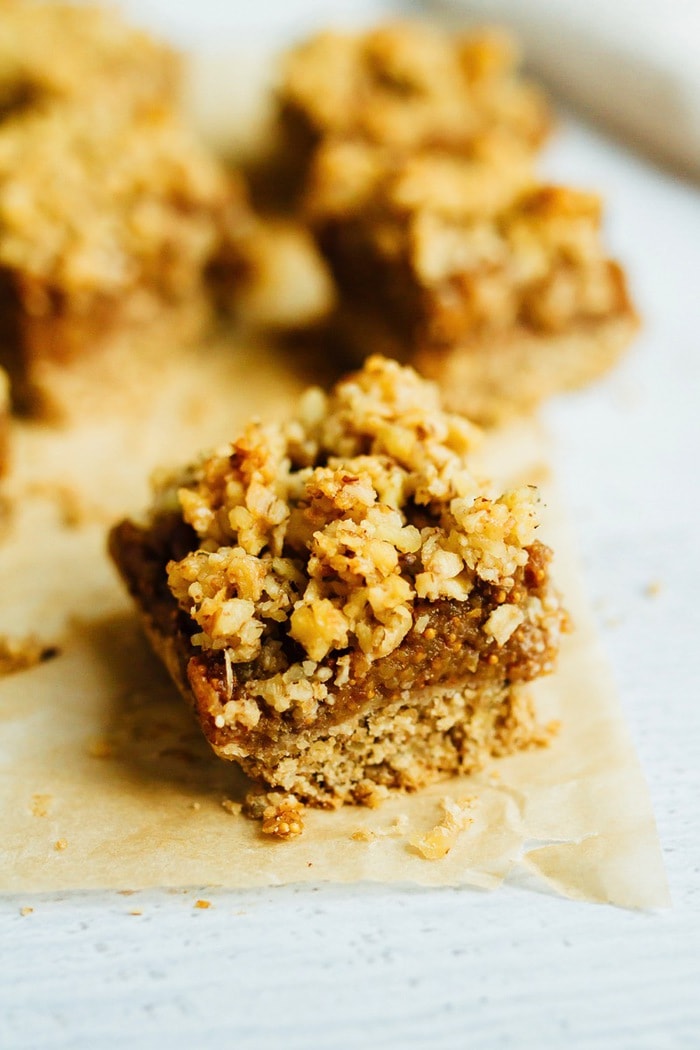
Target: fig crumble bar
486 280
111 210
347 607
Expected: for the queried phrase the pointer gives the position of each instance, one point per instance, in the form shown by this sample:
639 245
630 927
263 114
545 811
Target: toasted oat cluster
319 586
111 210
489 281
309 533
407 86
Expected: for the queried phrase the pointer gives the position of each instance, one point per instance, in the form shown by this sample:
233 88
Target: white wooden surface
366 966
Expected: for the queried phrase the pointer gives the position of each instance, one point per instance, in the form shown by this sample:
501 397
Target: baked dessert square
485 279
111 210
347 607
139 213
404 86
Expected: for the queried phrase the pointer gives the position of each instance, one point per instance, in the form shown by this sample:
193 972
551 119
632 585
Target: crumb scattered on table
202 904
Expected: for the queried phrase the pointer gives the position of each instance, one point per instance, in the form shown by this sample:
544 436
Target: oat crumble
405 86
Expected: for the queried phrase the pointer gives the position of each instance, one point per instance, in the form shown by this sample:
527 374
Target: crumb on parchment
20 654
202 904
230 805
438 842
282 815
397 827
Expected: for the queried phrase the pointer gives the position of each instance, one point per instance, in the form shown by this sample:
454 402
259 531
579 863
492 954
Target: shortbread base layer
55 353
494 377
405 745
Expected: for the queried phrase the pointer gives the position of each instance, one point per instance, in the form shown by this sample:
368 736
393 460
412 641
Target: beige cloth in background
106 780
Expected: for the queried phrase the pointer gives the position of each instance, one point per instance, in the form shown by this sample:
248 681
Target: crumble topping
318 537
474 240
409 85
138 200
350 177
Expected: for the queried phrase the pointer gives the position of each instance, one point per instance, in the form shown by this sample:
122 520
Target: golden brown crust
141 210
477 376
321 606
497 287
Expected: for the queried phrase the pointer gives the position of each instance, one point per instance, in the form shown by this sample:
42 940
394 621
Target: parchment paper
105 780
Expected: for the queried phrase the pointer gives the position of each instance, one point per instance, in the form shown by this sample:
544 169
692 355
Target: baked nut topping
319 583
477 243
408 86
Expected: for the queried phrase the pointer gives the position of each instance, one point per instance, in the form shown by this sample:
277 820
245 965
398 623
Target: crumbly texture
139 200
21 654
58 52
141 210
348 607
406 86
497 286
